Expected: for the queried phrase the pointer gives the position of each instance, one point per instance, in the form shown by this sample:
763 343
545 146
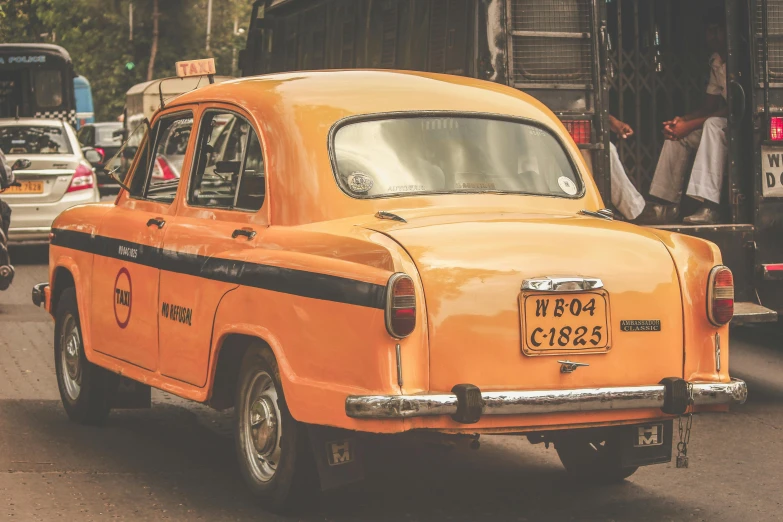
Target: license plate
647 444
568 323
27 187
772 172
650 435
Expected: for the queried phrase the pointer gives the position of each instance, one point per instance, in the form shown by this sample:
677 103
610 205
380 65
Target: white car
58 176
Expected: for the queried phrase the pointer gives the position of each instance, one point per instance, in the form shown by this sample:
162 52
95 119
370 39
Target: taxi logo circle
123 298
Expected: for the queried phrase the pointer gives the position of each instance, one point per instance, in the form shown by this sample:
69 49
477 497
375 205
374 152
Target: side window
162 168
252 183
138 176
229 168
82 137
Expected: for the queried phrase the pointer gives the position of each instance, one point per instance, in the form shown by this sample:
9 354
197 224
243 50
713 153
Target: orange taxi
359 252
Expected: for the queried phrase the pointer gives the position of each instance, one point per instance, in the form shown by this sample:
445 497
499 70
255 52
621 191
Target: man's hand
620 128
676 129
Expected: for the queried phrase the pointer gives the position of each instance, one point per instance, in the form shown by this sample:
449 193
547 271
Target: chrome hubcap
69 350
261 421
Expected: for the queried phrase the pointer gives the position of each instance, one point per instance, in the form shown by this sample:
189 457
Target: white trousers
625 197
710 146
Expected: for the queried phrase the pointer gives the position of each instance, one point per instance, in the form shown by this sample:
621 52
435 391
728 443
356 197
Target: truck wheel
85 388
272 447
594 457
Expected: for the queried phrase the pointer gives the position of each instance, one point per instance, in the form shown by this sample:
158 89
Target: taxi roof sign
196 67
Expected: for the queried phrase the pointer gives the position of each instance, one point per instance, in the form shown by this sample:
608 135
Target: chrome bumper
536 402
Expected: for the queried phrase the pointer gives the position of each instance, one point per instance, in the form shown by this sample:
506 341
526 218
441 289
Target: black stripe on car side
285 280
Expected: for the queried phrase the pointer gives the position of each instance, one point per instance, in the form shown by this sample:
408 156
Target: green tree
97 36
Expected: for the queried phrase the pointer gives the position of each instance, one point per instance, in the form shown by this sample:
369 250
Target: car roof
298 111
31 122
332 95
115 124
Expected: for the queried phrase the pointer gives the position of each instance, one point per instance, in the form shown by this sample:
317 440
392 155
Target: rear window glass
48 89
104 136
435 155
34 140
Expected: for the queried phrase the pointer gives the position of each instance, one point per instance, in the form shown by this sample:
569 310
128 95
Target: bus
85 113
643 61
36 80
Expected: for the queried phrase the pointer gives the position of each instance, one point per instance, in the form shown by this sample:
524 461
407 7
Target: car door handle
158 222
248 233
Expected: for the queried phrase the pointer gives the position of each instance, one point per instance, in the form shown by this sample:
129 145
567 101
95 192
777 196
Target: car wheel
85 389
272 447
593 457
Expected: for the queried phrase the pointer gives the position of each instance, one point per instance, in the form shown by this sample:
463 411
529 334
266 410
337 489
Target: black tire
593 456
272 447
85 389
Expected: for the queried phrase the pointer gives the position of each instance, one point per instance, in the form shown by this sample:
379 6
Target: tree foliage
96 34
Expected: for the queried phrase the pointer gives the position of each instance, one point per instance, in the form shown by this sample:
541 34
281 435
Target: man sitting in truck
701 133
625 198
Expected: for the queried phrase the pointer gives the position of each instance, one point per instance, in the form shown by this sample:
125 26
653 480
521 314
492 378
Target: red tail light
400 306
580 130
102 152
82 179
720 296
162 170
776 128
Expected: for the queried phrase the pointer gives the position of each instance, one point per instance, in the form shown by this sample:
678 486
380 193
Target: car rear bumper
33 221
542 401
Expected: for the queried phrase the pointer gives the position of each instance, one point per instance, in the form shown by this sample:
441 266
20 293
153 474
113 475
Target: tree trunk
154 47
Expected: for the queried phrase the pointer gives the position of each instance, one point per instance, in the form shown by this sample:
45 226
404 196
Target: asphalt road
176 461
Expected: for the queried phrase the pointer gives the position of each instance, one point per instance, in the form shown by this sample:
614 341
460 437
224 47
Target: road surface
176 460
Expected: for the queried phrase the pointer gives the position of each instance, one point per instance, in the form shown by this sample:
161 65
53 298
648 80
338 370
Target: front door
126 270
221 216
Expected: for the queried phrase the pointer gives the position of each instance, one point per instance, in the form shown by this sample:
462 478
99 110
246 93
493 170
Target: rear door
126 270
555 56
221 216
738 81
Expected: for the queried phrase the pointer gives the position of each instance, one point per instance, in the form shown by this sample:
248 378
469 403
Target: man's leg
625 197
709 168
672 167
669 178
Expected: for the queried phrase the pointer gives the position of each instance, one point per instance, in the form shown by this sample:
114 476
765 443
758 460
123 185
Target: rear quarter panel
694 258
326 348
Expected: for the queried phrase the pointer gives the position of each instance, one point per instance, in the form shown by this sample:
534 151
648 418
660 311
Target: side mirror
93 156
21 164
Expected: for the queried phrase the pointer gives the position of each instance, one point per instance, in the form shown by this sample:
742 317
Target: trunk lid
45 181
472 269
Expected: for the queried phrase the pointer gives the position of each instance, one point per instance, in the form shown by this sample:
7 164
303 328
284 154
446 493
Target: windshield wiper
604 213
382 214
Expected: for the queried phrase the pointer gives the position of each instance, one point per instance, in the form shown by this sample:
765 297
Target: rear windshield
460 154
34 140
48 89
105 136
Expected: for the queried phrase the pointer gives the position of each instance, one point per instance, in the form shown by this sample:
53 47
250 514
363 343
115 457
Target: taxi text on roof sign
196 67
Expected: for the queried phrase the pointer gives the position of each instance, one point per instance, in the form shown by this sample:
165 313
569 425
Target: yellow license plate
567 323
27 187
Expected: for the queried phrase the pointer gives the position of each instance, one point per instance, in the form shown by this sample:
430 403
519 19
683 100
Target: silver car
58 177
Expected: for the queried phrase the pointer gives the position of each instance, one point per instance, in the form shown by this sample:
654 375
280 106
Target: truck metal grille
568 16
774 39
551 41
